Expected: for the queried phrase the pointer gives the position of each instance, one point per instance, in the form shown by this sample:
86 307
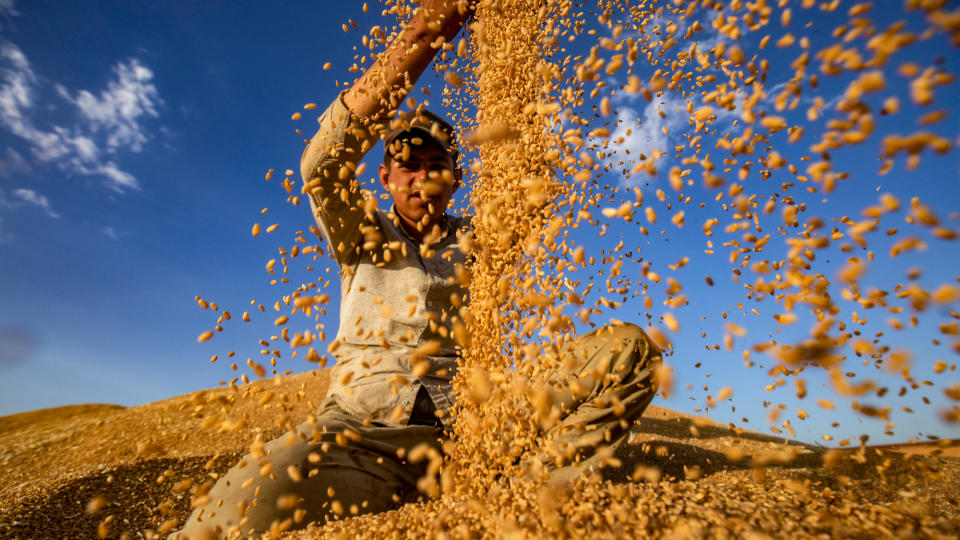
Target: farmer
399 277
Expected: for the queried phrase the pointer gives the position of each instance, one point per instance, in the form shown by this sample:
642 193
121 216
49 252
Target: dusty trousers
614 379
339 466
335 459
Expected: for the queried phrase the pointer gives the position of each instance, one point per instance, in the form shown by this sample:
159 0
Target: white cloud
107 123
15 93
111 233
645 137
7 11
32 197
118 110
7 8
13 163
120 178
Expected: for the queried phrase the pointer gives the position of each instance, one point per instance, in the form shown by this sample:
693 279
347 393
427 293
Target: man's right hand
405 59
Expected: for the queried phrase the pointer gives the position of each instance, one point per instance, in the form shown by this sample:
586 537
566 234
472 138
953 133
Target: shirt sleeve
328 166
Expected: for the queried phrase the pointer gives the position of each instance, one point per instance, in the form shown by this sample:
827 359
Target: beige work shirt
395 293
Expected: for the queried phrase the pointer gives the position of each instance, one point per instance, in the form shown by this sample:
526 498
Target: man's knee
625 333
623 338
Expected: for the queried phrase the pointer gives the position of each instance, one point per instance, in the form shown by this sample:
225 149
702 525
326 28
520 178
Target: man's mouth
419 196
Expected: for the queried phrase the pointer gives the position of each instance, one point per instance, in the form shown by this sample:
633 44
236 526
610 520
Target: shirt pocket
388 303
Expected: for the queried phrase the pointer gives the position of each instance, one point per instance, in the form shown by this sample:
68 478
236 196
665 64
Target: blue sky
187 106
134 140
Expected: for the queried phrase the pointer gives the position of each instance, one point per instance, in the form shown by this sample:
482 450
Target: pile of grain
553 155
57 462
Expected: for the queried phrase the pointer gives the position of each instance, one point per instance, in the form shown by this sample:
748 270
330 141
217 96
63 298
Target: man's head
419 167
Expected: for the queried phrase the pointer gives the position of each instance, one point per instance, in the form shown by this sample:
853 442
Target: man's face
421 182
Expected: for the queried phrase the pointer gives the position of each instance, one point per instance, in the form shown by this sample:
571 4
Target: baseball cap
420 123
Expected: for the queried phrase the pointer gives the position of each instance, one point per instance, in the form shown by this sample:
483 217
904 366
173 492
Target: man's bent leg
337 466
613 381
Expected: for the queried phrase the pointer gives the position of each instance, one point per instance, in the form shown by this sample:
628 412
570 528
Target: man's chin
414 214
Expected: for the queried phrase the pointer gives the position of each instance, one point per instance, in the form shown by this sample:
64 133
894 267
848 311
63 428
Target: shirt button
405 403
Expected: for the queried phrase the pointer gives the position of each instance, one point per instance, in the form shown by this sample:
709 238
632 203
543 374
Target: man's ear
457 177
384 173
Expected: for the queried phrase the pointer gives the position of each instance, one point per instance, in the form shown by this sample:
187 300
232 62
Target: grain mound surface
142 461
79 471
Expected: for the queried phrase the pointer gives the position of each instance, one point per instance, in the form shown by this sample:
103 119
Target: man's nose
420 175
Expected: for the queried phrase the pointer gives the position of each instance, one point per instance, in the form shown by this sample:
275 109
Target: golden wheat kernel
95 504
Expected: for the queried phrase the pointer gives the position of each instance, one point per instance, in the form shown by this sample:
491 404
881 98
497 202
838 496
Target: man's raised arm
396 70
344 137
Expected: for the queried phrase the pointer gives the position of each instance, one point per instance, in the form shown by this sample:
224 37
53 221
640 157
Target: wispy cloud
12 163
118 110
652 128
645 134
104 124
120 178
31 197
111 233
8 9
